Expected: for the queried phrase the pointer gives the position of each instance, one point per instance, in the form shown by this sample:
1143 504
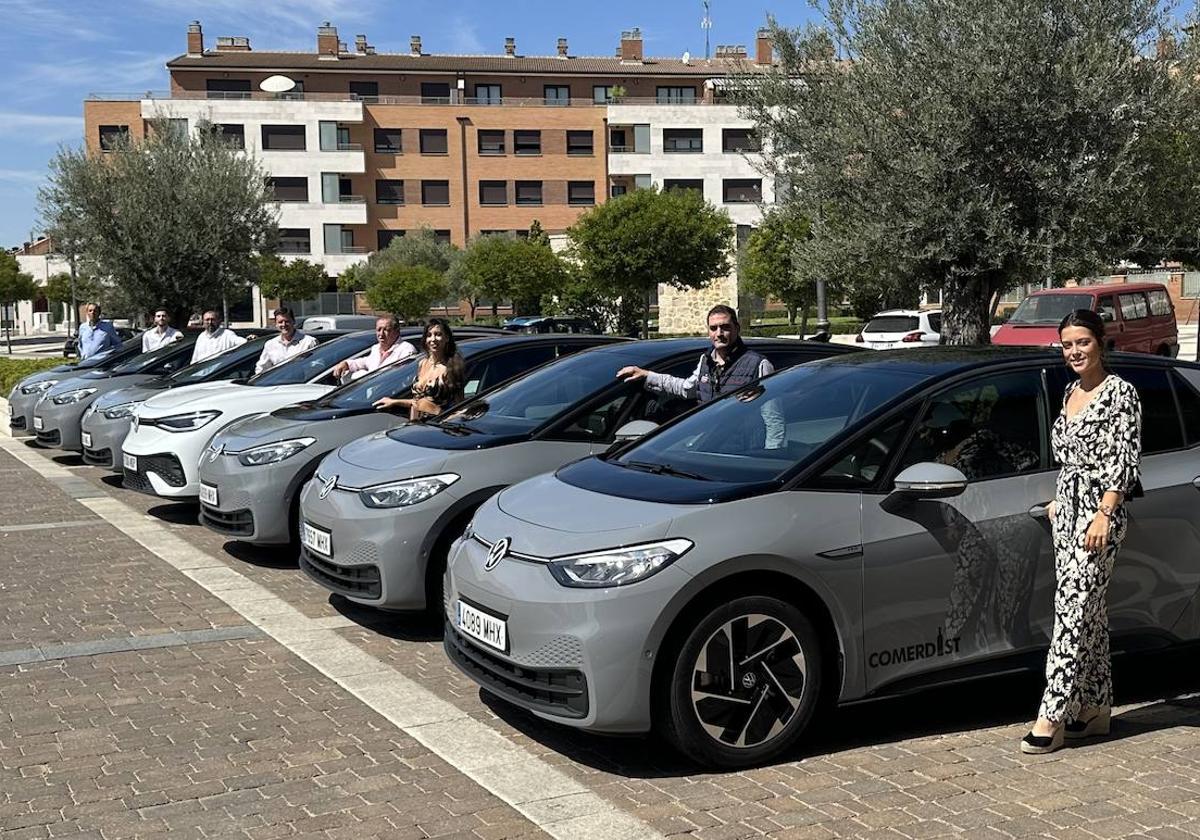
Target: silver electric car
701 583
252 472
380 513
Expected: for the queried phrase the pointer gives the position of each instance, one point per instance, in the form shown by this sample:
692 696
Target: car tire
734 716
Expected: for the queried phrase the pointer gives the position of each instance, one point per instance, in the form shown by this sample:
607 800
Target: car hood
1026 334
102 384
133 393
253 430
209 394
376 458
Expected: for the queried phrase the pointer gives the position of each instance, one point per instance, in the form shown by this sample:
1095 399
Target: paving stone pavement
944 763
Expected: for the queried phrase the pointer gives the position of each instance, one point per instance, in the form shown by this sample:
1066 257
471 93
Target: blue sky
52 54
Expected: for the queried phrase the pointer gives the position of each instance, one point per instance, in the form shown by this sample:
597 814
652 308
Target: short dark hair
285 311
1085 318
722 309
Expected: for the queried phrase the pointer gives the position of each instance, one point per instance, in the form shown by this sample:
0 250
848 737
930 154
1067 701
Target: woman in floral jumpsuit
1097 440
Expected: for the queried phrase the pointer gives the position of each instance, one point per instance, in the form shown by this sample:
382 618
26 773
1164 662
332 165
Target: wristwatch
1107 510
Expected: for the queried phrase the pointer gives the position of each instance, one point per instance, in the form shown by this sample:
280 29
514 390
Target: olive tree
15 286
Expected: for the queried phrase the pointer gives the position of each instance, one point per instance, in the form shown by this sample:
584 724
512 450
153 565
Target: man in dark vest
729 366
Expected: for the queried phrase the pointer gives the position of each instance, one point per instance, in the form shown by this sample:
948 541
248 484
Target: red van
1138 317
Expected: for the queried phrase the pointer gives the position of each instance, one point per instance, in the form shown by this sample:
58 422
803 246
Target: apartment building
361 146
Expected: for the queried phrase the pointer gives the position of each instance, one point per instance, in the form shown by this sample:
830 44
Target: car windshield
106 359
145 361
1048 310
390 381
201 371
522 406
309 365
765 429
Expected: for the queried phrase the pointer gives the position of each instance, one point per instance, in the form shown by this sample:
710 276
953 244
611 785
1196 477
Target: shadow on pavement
176 513
267 556
68 459
1161 680
112 479
407 627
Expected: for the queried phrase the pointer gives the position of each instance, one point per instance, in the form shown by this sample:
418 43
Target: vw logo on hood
496 553
215 452
327 487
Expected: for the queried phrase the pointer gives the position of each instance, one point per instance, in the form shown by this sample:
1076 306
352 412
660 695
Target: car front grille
50 438
359 581
98 457
238 523
555 691
166 467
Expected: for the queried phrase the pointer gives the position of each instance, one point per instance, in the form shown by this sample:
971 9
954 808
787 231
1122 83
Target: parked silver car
379 515
252 472
719 592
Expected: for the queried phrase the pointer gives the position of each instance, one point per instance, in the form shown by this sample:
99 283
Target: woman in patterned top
1097 438
440 375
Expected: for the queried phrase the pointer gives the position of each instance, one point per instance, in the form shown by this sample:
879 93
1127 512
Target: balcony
510 101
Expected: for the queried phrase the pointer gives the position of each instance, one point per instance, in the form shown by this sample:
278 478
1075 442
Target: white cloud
40 128
21 176
464 39
276 18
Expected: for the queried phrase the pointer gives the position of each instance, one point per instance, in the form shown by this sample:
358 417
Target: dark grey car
897 539
251 476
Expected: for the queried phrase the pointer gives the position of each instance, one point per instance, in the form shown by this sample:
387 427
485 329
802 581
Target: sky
53 54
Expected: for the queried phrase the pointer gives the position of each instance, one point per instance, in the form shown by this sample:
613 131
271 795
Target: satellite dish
687 57
276 84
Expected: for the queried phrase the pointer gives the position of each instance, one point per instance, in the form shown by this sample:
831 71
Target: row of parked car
620 560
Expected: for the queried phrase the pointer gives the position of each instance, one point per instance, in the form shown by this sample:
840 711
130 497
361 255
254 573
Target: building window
488 95
435 192
388 191
618 190
527 142
283 138
580 143
433 141
113 137
493 193
442 236
581 193
602 94
529 192
687 140
696 184
435 93
389 141
227 88
676 95
368 91
741 190
289 189
557 94
384 237
233 134
491 142
177 128
738 140
295 241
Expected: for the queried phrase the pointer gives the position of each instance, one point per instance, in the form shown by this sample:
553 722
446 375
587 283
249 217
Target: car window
859 465
600 422
171 363
1161 431
507 364
891 324
1189 405
1160 302
1107 308
307 366
392 380
990 427
783 358
1133 306
1048 309
151 362
935 321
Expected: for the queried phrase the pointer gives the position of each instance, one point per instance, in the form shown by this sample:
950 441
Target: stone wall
684 311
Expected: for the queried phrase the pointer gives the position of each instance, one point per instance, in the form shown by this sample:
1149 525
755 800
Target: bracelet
1107 510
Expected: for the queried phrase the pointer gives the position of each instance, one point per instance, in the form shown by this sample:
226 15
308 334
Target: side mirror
1107 315
930 481
634 429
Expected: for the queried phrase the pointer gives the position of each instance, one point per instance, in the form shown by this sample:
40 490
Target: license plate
315 538
129 462
477 624
86 437
208 494
38 424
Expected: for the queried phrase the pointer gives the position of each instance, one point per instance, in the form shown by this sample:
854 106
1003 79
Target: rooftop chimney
233 43
510 47
631 45
414 45
360 44
195 39
327 39
764 47
562 47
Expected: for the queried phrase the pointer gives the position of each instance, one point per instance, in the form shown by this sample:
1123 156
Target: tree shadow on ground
403 626
1163 681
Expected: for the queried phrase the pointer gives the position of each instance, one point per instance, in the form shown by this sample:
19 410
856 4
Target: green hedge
13 370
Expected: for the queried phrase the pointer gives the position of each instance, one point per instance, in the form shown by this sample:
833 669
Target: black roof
945 360
647 350
510 339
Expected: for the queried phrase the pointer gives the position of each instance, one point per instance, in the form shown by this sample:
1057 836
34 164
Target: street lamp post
823 325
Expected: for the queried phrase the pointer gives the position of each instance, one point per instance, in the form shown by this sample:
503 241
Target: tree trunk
646 316
965 304
179 316
803 321
791 311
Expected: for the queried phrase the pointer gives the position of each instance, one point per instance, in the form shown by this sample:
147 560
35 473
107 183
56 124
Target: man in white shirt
215 339
161 334
290 342
389 350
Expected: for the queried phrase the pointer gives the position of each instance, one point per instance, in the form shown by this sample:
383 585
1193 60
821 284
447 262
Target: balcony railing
348 249
511 101
352 199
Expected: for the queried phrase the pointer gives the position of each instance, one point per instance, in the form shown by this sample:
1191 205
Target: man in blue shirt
96 336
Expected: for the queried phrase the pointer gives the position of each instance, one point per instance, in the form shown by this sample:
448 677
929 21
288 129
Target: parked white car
902 328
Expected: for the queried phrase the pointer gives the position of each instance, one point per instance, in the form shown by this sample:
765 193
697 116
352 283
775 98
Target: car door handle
1041 512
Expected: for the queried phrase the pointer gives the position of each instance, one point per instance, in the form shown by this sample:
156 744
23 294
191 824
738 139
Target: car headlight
617 566
186 422
411 491
68 397
38 387
119 412
273 453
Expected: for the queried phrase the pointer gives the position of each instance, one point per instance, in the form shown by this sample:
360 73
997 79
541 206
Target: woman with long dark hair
440 375
1097 440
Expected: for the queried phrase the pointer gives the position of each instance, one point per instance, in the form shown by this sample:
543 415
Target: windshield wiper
663 469
456 428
